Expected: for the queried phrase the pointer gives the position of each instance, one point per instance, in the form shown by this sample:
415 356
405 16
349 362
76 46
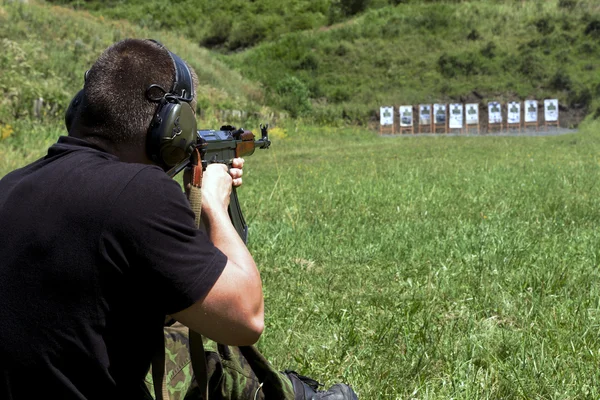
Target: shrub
247 32
532 66
309 62
544 25
593 29
580 99
351 7
560 81
218 31
489 50
567 4
467 64
474 35
294 96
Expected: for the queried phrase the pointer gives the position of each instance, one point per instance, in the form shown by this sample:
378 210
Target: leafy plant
293 96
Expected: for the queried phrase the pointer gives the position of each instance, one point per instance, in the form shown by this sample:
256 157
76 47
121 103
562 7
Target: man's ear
72 110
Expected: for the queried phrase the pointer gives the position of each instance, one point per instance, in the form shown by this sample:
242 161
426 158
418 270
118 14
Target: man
98 245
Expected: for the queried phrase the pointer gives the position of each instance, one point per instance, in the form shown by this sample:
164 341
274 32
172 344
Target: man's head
122 93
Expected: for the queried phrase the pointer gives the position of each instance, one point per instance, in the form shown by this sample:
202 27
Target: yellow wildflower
5 131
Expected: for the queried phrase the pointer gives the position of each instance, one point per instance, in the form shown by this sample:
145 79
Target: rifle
222 147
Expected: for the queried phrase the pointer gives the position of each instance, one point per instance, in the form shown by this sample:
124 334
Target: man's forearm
225 237
247 279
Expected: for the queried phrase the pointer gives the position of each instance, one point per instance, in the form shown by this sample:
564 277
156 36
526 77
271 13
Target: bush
567 4
560 81
580 99
247 32
489 50
351 7
218 32
593 29
544 25
294 96
467 64
532 66
474 35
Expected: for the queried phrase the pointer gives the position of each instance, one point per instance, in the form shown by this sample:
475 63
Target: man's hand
217 184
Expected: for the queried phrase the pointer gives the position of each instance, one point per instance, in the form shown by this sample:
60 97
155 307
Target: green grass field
423 267
431 268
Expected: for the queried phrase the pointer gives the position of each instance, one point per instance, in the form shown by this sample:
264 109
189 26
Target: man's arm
233 311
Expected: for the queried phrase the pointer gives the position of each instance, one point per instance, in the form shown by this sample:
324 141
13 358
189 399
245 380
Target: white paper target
406 115
386 116
495 112
439 113
551 110
425 114
531 110
513 114
472 114
456 116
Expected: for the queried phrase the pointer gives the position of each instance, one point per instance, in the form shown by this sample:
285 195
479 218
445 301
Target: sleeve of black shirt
153 234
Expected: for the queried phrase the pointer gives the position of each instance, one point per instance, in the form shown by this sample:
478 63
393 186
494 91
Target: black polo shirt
93 253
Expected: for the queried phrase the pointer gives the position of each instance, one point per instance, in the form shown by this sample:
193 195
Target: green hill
415 53
45 49
341 60
326 61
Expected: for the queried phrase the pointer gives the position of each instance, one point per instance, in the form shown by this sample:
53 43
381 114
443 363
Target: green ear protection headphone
172 133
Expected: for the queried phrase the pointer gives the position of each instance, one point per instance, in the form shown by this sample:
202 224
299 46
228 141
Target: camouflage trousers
234 373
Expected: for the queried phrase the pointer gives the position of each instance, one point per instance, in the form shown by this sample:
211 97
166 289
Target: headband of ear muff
172 133
72 109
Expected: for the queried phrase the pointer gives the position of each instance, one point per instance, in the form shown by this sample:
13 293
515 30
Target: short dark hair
114 107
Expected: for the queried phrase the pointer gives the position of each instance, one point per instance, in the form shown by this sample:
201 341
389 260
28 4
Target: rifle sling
197 356
196 345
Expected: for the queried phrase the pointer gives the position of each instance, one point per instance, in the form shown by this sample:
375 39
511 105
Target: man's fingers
238 162
236 173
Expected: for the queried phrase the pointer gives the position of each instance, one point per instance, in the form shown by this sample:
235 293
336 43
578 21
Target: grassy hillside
45 50
230 25
340 60
412 53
